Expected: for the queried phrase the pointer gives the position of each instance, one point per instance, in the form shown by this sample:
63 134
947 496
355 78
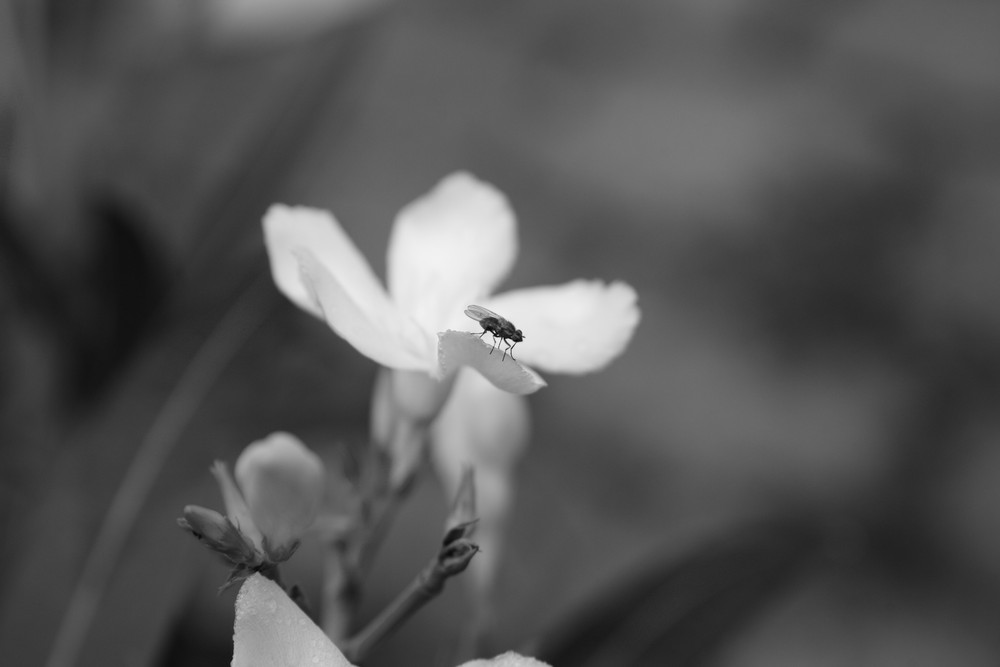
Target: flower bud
282 483
219 534
461 521
206 524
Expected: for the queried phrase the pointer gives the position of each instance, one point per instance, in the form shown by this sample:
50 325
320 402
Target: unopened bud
282 483
456 556
461 521
206 524
218 533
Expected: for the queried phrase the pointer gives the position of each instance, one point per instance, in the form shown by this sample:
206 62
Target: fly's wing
478 313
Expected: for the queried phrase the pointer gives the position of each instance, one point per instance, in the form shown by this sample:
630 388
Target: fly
501 328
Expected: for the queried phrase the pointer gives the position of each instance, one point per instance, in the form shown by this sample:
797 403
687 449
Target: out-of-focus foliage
804 195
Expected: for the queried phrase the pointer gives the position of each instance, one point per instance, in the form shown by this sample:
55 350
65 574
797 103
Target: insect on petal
461 348
576 327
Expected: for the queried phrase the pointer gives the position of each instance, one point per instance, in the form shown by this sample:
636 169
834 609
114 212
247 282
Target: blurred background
796 462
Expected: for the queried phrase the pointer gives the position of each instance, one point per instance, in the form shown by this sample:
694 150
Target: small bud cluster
273 501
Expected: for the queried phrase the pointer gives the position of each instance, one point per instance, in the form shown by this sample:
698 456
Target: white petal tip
509 659
270 629
461 348
577 327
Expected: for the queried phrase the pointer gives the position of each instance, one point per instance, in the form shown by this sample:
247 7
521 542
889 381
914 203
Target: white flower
448 249
278 491
270 630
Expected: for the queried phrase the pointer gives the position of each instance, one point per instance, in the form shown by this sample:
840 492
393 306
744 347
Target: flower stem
347 555
451 560
341 592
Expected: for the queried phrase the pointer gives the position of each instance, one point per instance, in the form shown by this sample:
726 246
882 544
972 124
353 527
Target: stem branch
451 560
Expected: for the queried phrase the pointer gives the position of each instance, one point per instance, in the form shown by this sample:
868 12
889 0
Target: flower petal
288 229
380 331
283 483
577 327
450 248
461 348
270 629
509 659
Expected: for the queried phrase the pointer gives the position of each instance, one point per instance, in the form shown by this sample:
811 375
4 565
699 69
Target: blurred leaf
675 613
126 282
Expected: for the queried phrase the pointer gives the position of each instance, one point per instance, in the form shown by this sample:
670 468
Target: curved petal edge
270 629
384 335
291 229
577 327
450 246
509 659
461 348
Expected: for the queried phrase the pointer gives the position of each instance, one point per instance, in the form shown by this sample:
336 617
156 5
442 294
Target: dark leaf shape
125 285
98 313
677 612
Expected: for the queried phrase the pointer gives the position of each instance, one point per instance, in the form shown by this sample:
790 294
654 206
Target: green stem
347 559
451 560
341 591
